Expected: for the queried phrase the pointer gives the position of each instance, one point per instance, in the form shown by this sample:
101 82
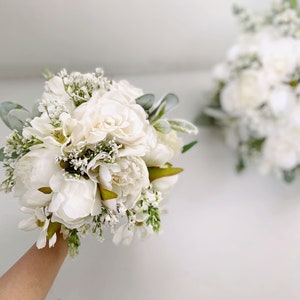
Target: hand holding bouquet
92 152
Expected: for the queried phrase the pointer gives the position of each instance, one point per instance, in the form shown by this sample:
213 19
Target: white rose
127 178
282 151
102 116
279 58
128 91
74 200
248 91
166 148
33 173
282 100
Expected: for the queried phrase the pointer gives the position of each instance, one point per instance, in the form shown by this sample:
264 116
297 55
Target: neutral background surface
226 236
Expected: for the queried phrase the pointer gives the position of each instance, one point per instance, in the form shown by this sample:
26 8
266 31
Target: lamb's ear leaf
16 118
165 105
183 126
171 101
5 108
146 101
163 126
2 155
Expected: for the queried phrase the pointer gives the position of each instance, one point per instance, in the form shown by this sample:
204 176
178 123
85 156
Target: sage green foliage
156 113
14 115
73 243
293 3
154 218
187 147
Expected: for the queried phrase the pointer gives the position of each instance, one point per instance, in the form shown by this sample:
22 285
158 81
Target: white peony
282 151
32 174
127 177
166 148
248 91
74 200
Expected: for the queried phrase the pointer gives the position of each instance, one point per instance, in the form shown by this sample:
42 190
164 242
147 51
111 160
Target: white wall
121 36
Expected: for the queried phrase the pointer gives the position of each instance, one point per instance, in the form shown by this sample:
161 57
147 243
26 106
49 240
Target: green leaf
171 101
183 126
5 108
166 104
157 113
157 172
293 3
52 228
35 110
2 155
146 101
107 195
240 166
187 147
163 126
205 120
17 117
289 175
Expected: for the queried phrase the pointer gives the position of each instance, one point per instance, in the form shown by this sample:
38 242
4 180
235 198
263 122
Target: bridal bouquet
257 95
93 154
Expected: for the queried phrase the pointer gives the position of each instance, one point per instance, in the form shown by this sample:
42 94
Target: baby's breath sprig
106 219
16 147
76 161
80 87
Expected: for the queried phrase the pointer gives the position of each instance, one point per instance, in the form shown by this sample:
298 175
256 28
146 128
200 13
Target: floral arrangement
256 99
93 154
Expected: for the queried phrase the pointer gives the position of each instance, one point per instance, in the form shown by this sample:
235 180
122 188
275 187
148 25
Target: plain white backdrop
226 236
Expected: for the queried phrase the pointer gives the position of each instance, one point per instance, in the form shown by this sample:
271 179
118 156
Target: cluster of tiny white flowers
282 17
80 87
78 159
54 108
285 19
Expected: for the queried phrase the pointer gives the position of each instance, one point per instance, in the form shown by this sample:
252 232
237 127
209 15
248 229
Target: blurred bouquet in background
256 99
93 154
